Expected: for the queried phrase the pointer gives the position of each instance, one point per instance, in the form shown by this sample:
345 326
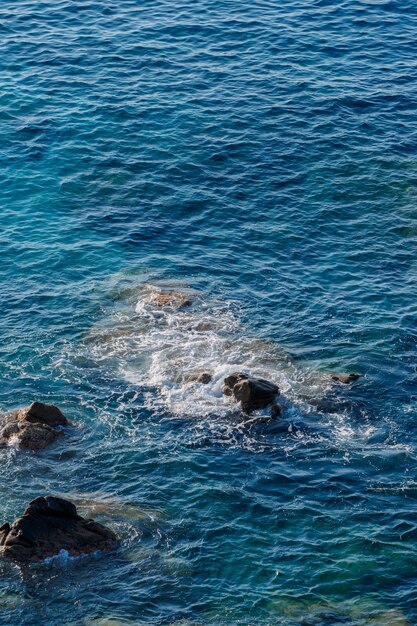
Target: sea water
260 157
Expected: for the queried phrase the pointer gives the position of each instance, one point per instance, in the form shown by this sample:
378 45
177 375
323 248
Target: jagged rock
33 426
199 377
175 299
37 436
49 414
252 393
345 378
49 525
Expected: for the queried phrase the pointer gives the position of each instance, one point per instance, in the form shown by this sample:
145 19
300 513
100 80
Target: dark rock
276 410
49 525
231 380
199 377
37 436
49 505
346 378
252 393
33 426
45 414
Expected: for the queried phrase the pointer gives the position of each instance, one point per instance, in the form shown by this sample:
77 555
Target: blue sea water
261 156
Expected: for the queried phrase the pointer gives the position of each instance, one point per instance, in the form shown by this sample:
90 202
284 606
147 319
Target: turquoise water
262 156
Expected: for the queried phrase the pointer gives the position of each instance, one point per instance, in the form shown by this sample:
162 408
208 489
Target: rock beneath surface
33 426
49 525
252 393
199 377
176 299
346 378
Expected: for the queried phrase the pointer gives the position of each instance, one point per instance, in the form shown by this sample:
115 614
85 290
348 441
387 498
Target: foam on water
262 157
157 347
65 559
154 348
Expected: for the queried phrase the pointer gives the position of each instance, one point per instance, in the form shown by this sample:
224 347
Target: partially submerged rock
252 393
345 378
97 503
198 377
176 299
49 525
33 427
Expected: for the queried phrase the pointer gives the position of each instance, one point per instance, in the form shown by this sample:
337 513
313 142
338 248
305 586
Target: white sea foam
154 348
63 558
157 347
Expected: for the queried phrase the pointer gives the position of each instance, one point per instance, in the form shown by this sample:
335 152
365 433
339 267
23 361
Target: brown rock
49 525
252 393
33 426
346 378
37 436
199 377
175 299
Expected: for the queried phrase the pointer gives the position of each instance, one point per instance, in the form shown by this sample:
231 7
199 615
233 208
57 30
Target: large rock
41 413
252 393
34 426
50 525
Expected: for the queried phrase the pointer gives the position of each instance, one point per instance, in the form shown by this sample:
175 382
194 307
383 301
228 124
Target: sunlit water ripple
261 157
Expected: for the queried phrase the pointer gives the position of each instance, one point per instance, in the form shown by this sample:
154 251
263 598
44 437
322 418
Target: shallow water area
260 159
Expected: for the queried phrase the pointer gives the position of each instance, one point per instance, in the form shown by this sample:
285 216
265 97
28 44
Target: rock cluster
34 427
252 393
49 525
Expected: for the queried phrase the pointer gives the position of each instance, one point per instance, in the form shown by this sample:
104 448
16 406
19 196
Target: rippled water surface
260 157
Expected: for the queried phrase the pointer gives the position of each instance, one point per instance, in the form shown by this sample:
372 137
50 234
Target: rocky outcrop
49 525
252 393
33 427
173 299
345 378
203 378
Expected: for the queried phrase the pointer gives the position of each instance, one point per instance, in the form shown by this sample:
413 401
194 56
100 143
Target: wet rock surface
49 525
33 427
251 393
203 378
346 378
175 299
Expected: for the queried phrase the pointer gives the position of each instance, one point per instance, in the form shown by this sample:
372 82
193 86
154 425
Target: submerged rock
198 377
96 503
252 393
33 427
176 299
11 600
49 525
346 378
